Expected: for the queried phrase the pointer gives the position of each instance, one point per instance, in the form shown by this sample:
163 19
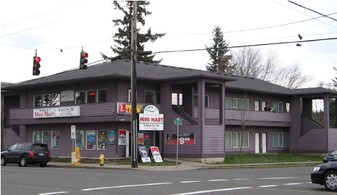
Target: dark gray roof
157 72
122 69
314 91
257 85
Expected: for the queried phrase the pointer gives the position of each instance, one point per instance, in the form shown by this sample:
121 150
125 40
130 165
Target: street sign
178 121
73 132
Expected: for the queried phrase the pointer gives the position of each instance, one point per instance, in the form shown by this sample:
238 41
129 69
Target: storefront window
46 137
55 139
80 139
91 140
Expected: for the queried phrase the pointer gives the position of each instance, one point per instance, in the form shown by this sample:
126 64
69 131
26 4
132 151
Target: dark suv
26 153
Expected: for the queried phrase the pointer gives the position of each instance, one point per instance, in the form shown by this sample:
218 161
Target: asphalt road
34 180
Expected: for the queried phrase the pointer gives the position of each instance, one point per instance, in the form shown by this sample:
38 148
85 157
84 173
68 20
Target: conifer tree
122 38
220 62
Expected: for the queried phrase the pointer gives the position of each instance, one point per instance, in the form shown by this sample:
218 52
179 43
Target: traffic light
36 65
83 60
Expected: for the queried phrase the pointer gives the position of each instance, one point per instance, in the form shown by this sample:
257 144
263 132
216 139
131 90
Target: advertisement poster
184 139
91 140
37 137
156 154
141 138
144 154
111 137
122 137
102 140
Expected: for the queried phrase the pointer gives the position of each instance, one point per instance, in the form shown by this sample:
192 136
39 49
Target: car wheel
43 164
330 181
23 162
3 161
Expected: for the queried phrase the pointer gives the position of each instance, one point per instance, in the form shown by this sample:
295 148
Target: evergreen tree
123 37
220 62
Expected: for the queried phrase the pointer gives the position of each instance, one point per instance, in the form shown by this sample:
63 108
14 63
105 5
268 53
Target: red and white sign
156 154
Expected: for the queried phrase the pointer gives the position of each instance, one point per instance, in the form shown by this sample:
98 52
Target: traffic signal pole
134 157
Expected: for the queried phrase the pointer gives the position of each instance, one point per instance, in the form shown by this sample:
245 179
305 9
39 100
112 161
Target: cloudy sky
58 30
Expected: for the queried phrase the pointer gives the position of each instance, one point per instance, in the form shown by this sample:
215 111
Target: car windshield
334 152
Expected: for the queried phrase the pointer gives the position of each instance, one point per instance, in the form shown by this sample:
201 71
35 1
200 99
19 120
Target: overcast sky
58 29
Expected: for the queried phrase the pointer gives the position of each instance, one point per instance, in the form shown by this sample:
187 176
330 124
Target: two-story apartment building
221 113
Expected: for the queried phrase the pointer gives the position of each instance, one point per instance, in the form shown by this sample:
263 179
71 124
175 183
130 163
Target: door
264 143
257 143
260 143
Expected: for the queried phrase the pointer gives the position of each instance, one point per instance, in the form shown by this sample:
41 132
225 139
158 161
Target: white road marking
241 179
215 190
276 178
126 186
292 184
190 181
52 193
267 186
218 180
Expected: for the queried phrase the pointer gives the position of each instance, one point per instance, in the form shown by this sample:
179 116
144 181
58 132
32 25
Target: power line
312 10
251 45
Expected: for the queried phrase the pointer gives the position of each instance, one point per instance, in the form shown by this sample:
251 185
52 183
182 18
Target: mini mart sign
151 120
69 111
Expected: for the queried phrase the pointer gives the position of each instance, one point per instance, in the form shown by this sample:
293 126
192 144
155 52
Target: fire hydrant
101 159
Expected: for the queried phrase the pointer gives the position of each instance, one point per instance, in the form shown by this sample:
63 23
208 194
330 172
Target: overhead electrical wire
251 45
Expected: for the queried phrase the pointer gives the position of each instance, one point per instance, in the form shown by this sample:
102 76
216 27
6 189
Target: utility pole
134 157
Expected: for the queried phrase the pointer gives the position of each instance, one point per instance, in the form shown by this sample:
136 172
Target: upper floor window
149 97
90 96
278 106
237 103
46 100
177 99
79 97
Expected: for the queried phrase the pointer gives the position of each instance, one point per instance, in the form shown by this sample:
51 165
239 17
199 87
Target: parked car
325 174
26 153
330 157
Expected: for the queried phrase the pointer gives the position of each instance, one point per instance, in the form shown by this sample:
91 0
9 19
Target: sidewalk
183 165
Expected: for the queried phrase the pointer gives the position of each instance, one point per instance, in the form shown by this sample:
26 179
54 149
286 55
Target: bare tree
249 62
290 77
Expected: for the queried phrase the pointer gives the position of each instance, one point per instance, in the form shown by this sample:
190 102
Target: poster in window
55 139
91 140
122 137
37 137
80 139
141 138
102 140
184 139
111 137
45 137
